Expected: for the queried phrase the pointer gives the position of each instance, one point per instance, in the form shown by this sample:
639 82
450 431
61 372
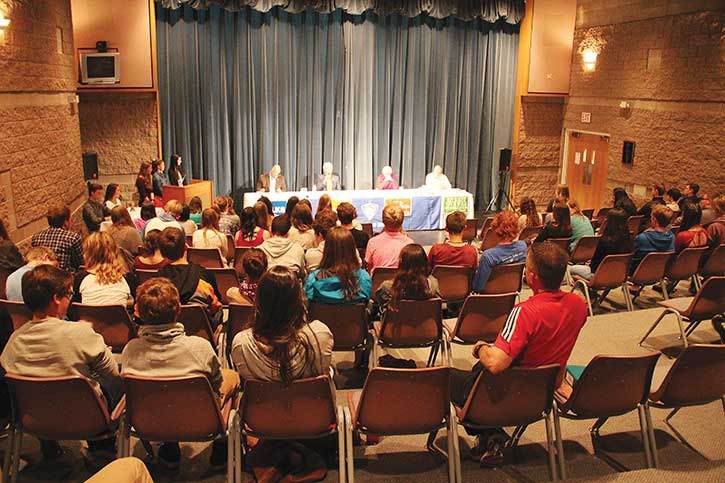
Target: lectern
201 188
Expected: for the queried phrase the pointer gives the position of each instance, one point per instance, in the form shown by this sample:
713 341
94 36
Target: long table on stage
424 209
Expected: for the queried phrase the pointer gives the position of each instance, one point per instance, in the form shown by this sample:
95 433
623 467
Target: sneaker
169 456
493 456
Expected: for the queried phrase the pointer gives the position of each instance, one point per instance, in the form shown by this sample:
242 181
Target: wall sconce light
589 59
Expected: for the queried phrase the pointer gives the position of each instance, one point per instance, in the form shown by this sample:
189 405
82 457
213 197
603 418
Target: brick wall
671 70
40 153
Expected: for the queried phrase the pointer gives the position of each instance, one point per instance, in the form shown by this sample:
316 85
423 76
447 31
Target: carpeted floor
404 459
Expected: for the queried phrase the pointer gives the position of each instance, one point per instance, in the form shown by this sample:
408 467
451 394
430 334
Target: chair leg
651 432
231 446
349 453
239 450
17 448
662 315
8 452
433 355
665 294
456 444
341 431
585 289
627 298
559 442
682 330
691 328
553 474
645 435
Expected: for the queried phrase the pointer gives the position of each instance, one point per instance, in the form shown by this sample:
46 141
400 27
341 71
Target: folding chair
582 252
454 282
113 322
685 265
206 257
611 273
714 265
529 233
481 318
485 227
490 239
634 223
403 402
304 409
694 379
416 323
241 316
367 228
19 313
707 303
226 278
178 409
517 397
144 275
238 253
347 322
382 274
57 408
469 232
230 248
562 243
196 322
651 271
505 279
612 386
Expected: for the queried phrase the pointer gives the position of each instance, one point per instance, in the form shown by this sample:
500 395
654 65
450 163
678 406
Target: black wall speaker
504 160
90 165
628 152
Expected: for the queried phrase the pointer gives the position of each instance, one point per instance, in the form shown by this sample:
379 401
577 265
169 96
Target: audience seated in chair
282 345
691 194
691 234
163 350
324 222
66 244
672 199
280 250
347 216
170 217
35 256
187 224
48 346
148 211
150 257
383 250
229 221
250 234
657 238
209 236
580 224
253 266
539 331
194 283
124 232
509 249
528 216
615 240
716 229
621 200
559 227
561 195
106 278
658 193
93 210
10 257
301 231
455 251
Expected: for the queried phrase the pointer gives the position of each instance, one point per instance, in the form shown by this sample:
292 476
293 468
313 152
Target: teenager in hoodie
657 238
194 283
281 251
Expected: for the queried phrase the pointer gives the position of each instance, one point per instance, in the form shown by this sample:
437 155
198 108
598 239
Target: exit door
585 168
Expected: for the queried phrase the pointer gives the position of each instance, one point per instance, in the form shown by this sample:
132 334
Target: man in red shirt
540 331
455 251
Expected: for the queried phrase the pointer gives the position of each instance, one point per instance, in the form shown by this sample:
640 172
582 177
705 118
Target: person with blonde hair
509 249
106 279
209 235
123 231
384 249
35 256
169 218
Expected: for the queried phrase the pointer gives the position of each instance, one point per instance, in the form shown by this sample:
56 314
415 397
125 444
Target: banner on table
406 204
455 203
278 207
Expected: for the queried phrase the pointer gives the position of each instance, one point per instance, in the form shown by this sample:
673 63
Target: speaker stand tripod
500 195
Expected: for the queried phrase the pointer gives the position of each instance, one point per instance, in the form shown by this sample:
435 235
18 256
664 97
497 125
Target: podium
197 187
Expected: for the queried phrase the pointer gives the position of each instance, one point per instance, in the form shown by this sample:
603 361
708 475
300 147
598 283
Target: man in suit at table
273 181
327 181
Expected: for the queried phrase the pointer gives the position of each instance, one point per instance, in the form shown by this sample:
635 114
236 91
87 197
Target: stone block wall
40 152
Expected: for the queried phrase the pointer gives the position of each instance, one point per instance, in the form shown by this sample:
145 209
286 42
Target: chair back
367 228
206 257
695 378
416 323
584 249
382 274
686 263
602 213
505 279
651 269
612 385
189 240
482 317
486 225
225 278
562 243
612 272
113 322
347 322
454 282
469 232
238 253
633 223
144 275
302 409
4 274
173 409
404 401
490 239
530 232
515 397
709 301
241 316
588 213
58 408
715 264
230 247
196 322
19 313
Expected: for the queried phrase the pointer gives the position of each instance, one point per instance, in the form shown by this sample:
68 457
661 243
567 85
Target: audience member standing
106 279
281 251
177 176
250 234
35 256
614 241
124 232
144 185
66 244
209 235
691 233
158 180
384 249
559 227
93 210
455 251
657 238
509 249
580 224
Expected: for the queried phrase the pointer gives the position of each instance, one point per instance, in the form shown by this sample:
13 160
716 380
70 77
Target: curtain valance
509 11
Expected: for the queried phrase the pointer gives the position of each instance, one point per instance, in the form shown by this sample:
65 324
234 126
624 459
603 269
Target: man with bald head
387 180
273 181
327 181
437 179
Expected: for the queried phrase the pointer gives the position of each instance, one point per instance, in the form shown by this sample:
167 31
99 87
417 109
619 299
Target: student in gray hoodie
281 251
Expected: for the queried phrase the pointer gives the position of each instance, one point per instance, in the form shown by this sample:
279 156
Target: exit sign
586 117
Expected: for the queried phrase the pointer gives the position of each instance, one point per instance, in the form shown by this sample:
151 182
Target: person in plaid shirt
66 244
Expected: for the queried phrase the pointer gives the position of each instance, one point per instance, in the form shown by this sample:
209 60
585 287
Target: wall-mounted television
100 68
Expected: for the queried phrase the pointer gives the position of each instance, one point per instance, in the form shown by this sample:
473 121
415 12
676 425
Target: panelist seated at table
387 180
327 181
273 181
437 179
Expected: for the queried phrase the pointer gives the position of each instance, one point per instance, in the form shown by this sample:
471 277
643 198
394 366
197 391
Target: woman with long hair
123 231
529 216
149 256
209 235
228 220
561 195
195 209
412 280
301 231
291 203
615 240
148 211
580 224
324 204
559 227
339 278
282 345
249 272
185 220
112 198
250 234
106 279
264 218
621 200
10 257
144 184
177 176
691 234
